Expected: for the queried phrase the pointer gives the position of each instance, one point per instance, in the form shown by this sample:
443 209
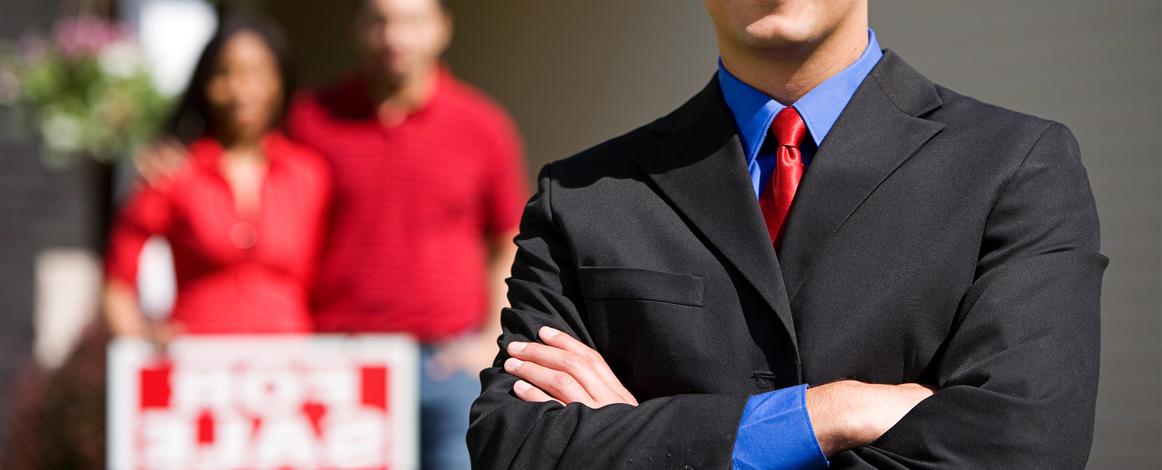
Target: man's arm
503 191
473 353
500 259
1017 375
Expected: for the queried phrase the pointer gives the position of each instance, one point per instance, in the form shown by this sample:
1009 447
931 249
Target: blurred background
575 73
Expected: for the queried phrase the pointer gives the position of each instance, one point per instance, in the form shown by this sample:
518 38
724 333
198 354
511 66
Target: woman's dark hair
193 118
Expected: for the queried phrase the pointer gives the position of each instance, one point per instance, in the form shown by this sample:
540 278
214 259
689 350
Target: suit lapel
877 132
701 170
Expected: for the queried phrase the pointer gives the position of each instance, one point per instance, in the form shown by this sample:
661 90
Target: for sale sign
222 403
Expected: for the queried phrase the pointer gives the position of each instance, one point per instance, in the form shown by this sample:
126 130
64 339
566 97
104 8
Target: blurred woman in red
244 216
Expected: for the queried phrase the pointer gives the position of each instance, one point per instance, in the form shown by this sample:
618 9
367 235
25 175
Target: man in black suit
675 286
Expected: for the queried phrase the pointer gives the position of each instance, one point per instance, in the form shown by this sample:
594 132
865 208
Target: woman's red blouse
236 273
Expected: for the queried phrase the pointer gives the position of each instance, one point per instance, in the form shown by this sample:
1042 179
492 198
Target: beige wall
575 73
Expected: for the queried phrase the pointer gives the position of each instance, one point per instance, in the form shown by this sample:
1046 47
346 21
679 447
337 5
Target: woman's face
245 89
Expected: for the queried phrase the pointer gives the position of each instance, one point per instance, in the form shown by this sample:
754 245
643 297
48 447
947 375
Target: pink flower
85 36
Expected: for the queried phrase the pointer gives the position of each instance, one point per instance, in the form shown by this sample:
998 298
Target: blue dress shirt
775 431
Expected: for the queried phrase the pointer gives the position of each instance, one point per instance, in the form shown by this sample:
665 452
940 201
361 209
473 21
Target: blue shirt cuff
775 433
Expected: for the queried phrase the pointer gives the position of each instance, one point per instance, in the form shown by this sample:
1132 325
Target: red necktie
788 130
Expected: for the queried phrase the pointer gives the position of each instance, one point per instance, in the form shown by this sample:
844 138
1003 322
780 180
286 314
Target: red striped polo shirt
415 205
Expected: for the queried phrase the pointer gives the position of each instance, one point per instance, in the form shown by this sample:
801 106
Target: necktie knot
788 128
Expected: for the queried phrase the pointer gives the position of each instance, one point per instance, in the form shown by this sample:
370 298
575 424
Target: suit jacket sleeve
1017 375
505 432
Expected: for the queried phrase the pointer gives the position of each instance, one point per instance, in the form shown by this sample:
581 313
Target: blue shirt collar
753 110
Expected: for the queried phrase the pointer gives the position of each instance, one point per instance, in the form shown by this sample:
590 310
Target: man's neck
405 93
786 74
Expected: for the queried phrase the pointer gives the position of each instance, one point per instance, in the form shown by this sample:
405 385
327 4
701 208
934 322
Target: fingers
557 384
527 392
160 161
553 337
848 414
441 365
146 162
580 367
566 370
915 392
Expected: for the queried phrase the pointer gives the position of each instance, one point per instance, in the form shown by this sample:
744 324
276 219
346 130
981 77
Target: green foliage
85 93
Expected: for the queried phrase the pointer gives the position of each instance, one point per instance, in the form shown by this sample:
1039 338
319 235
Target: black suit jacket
933 239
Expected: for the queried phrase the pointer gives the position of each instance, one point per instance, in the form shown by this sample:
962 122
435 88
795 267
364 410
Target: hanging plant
84 89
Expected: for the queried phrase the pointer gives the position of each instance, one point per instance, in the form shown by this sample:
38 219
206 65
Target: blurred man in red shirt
428 193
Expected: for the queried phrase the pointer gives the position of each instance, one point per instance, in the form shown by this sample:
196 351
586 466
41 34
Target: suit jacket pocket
608 283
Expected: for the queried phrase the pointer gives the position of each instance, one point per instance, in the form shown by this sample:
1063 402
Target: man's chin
777 40
390 71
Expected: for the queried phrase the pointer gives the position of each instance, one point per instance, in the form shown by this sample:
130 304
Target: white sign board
265 402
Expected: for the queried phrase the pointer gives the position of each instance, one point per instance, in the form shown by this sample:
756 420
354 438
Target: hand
563 370
849 414
160 161
162 333
470 354
158 333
